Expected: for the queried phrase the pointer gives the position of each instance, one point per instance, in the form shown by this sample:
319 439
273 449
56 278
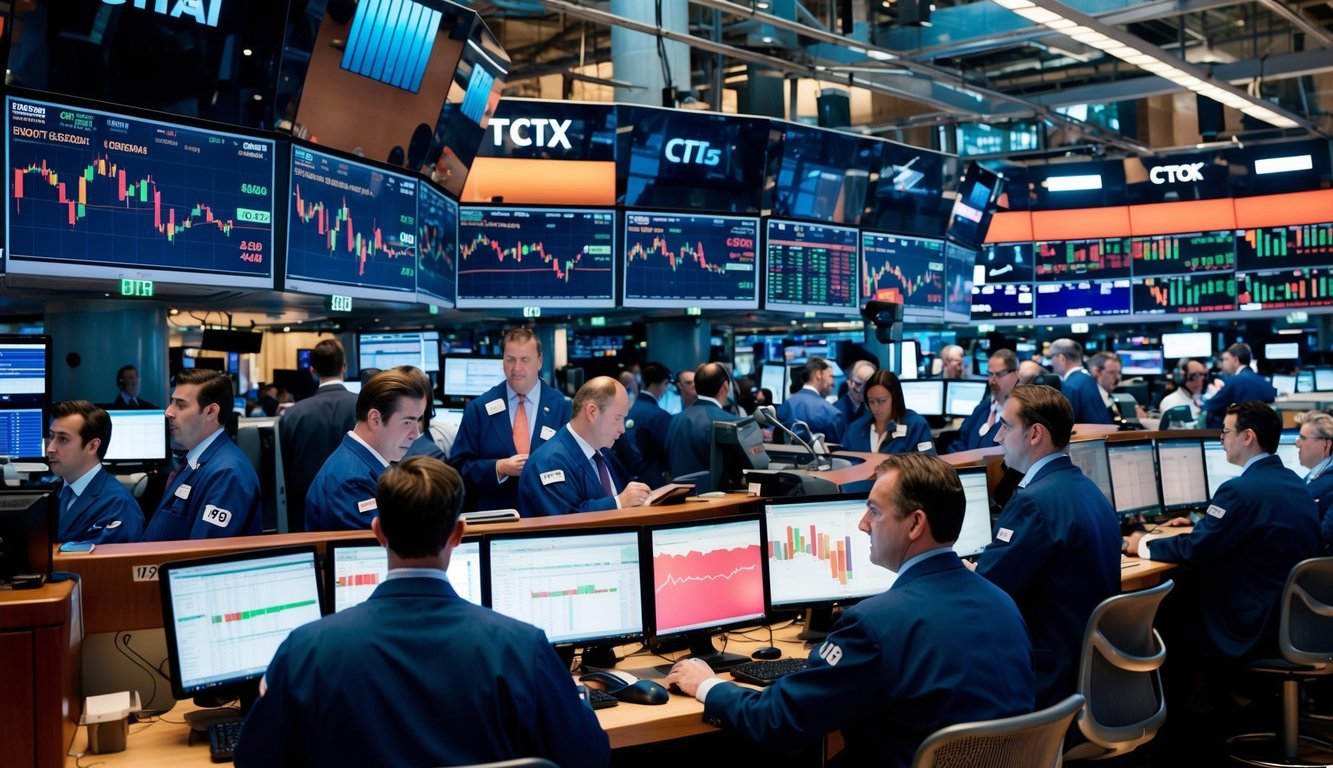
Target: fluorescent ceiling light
1073 183
1284 164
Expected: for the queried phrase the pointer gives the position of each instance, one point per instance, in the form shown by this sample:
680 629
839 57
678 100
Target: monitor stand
215 712
817 624
701 647
603 657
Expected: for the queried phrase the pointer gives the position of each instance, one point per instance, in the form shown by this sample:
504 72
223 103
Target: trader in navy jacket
852 405
691 430
416 675
807 404
312 429
1242 384
941 646
1057 543
93 505
1315 444
574 471
979 428
491 447
1077 385
388 414
649 427
889 426
214 493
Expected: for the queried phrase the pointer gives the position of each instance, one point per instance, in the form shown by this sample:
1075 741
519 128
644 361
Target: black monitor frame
40 401
1175 510
1106 459
733 449
329 571
26 533
770 602
1129 445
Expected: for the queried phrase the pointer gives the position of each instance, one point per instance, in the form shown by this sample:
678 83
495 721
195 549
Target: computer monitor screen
1323 379
819 174
1285 384
1002 302
1300 245
358 566
1283 289
1097 298
673 260
1141 362
437 246
976 531
925 396
471 376
1090 456
1219 469
1188 344
904 270
1096 259
26 530
352 228
1184 294
773 377
1134 475
1184 478
1289 350
906 355
1184 253
962 397
420 349
581 587
1290 455
974 206
450 419
536 257
735 447
138 436
1005 263
105 195
958 262
1305 381
811 268
25 380
706 576
816 553
226 616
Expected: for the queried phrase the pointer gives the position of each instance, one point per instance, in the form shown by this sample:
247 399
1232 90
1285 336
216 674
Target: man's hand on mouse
689 674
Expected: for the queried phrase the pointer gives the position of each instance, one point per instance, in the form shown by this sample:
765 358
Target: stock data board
1285 289
536 257
1185 294
677 260
907 270
1097 259
1184 254
1089 298
1306 245
1005 301
437 246
98 194
351 228
811 268
1006 263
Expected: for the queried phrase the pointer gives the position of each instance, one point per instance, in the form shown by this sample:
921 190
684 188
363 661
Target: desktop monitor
905 357
925 396
733 448
1189 344
1305 380
1323 379
471 376
25 381
1219 470
961 396
356 566
420 349
138 436
1134 475
1285 384
1183 476
225 617
1141 362
976 531
675 260
1290 455
1090 456
1289 350
27 518
817 554
773 377
706 577
811 268
582 587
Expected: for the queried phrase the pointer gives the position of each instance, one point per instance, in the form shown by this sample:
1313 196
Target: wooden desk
41 636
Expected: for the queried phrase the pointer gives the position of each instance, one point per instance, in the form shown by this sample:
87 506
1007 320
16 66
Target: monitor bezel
444 362
911 312
951 383
771 604
751 303
921 384
854 296
1157 472
1101 441
981 471
45 401
166 436
649 579
1176 509
331 548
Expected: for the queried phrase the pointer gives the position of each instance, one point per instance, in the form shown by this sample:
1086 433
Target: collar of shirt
533 397
1073 370
192 456
875 441
417 573
82 483
712 400
1319 469
1256 457
584 446
1036 467
330 383
373 452
914 559
650 394
813 390
1106 396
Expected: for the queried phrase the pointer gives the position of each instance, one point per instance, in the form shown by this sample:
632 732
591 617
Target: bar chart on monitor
816 553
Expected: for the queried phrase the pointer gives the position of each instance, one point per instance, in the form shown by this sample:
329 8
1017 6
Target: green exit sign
693 311
597 321
340 303
142 289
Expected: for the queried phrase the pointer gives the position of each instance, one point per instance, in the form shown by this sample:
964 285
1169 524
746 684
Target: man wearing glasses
978 430
1193 377
1056 545
853 404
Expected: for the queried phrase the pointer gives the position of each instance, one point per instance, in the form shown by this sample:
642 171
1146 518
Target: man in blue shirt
312 429
808 405
416 675
214 493
691 430
852 405
93 505
1242 384
941 646
388 413
1077 385
979 429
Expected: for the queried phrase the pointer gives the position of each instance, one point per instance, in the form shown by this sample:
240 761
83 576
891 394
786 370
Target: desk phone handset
627 687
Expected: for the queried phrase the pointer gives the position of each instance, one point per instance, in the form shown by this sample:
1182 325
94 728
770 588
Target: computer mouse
643 692
767 653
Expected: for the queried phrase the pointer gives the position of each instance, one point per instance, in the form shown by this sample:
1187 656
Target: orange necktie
522 440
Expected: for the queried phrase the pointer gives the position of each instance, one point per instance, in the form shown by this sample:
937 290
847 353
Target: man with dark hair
809 406
215 492
573 471
416 675
127 394
92 505
1057 543
311 430
388 416
978 430
1076 384
506 424
1242 384
650 424
941 646
691 430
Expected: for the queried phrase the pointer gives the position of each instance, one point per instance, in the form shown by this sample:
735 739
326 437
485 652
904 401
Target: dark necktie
66 498
603 474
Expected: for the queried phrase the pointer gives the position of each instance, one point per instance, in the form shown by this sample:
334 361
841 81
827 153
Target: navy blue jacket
649 437
941 646
1321 489
1057 553
969 435
484 438
417 676
309 432
1243 387
1258 526
222 499
849 411
805 405
689 436
105 513
857 436
1083 394
342 497
559 479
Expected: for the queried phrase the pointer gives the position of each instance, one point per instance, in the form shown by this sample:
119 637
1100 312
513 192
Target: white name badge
495 406
216 516
924 446
1216 511
900 431
182 491
368 505
1004 534
554 476
547 433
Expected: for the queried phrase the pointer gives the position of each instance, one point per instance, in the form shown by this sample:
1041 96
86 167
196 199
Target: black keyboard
766 672
222 740
600 699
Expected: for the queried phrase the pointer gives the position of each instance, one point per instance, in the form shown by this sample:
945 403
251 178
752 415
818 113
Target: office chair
1120 676
1025 741
522 762
1305 637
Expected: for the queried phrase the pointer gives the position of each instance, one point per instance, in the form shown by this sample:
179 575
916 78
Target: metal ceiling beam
1297 19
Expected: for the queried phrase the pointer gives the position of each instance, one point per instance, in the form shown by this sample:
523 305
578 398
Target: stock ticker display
1285 289
1098 259
1185 253
678 259
811 267
553 257
1185 294
1306 245
98 194
1002 301
437 245
907 270
1088 298
1007 262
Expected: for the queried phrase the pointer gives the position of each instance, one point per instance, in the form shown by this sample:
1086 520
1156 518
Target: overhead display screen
536 257
96 194
1284 289
811 268
1002 302
820 174
1006 263
1083 259
909 194
959 262
1092 298
1187 253
973 208
351 228
906 270
1307 245
437 245
677 260
1185 294
682 159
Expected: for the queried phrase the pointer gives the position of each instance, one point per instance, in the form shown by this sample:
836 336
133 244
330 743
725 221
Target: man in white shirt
1193 378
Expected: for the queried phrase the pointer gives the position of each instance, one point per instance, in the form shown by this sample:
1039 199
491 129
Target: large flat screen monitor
959 264
138 436
420 349
471 376
1284 289
974 205
1006 263
773 377
26 528
106 195
674 260
1323 379
925 396
1002 302
961 397
1141 361
536 257
817 554
976 531
437 246
25 380
1097 298
351 228
904 270
1219 469
1185 294
582 587
811 268
1090 457
355 567
1285 384
819 174
1183 474
1188 344
1096 259
1183 254
1288 350
1134 475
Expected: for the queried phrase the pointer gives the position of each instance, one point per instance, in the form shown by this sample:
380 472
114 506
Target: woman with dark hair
888 425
